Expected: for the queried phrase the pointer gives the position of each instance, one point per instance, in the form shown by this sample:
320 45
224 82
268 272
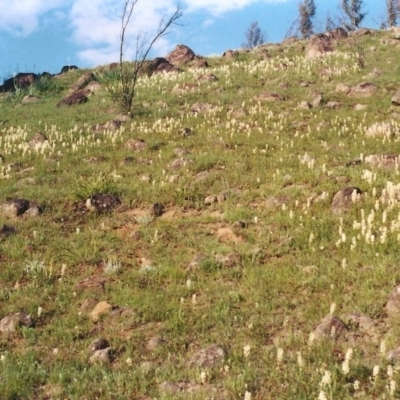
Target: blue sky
44 35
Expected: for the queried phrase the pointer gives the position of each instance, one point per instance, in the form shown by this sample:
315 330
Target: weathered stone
342 88
29 99
229 54
98 344
155 343
318 46
102 308
12 322
208 357
180 55
67 68
196 261
304 105
330 328
78 97
34 210
102 202
14 208
157 209
103 356
364 89
393 303
38 140
333 105
92 282
201 108
381 129
268 96
230 260
83 81
389 161
210 200
393 355
135 144
396 98
344 198
7 230
337 33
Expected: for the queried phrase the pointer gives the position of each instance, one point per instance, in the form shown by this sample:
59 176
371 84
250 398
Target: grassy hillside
228 250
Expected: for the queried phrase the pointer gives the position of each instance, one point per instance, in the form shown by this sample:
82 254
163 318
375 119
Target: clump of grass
103 182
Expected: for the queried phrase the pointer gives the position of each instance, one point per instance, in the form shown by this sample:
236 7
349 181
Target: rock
78 97
317 99
14 208
333 105
21 80
110 126
157 209
268 96
344 198
135 144
159 65
29 99
396 98
393 355
393 303
12 322
364 89
200 391
381 129
200 63
103 356
38 140
168 387
304 105
362 323
361 32
201 176
210 200
101 309
34 210
98 344
318 46
201 108
196 261
93 87
83 81
155 343
7 230
182 54
92 282
342 88
228 235
337 33
207 78
208 357
230 260
360 107
389 161
102 202
179 163
67 68
229 54
330 328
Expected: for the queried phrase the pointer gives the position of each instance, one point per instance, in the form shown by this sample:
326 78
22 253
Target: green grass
275 169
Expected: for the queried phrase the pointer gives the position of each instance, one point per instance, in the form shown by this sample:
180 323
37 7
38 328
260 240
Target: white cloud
21 17
218 7
97 25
